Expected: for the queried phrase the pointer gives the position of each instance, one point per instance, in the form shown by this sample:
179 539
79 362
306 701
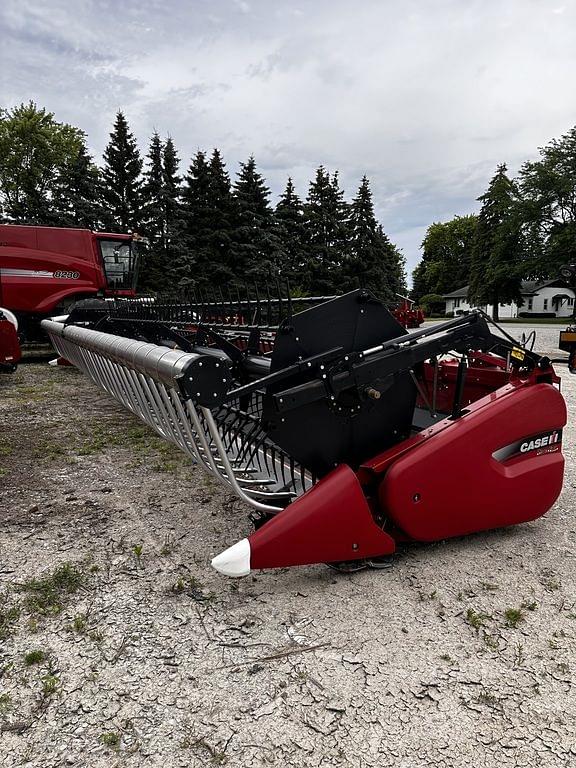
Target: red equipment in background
43 270
9 345
407 314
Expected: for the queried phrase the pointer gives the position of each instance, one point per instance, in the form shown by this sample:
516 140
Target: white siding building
549 298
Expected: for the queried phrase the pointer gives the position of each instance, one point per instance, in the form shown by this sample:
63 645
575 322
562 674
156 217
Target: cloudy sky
423 96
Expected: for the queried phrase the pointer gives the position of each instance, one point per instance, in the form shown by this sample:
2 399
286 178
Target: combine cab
337 426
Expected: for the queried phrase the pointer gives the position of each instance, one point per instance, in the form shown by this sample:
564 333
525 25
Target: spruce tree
222 208
152 189
122 188
170 196
75 201
153 225
192 263
256 246
365 265
395 267
290 228
325 215
497 254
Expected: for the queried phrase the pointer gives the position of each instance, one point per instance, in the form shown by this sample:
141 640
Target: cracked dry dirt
120 646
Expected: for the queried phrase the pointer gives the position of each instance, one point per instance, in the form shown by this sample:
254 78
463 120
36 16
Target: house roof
461 293
529 288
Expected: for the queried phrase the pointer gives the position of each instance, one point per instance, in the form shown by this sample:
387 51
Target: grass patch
34 657
5 703
49 685
47 595
110 739
9 615
475 618
79 624
513 617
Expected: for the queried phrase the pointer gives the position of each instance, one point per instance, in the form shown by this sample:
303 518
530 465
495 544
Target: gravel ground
120 646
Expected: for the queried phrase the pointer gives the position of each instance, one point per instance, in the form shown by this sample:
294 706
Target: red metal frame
10 353
403 495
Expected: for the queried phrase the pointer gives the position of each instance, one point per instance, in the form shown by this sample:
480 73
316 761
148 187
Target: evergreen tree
395 267
256 247
122 190
290 228
192 263
325 215
153 273
497 254
77 192
366 264
222 207
152 194
170 196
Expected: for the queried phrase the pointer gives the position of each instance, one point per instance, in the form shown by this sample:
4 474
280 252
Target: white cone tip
53 362
234 561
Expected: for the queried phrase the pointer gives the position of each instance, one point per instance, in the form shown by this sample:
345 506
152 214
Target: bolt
355 546
416 498
373 394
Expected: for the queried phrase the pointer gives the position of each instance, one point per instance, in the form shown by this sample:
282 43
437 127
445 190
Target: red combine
44 270
341 429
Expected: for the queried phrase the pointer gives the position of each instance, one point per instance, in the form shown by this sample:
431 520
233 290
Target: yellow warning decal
518 354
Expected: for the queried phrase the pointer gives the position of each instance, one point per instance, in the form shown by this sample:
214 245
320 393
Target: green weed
46 596
34 657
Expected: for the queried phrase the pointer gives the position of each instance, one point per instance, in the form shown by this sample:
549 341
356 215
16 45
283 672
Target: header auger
343 431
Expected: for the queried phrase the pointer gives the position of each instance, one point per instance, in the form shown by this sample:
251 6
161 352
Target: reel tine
258 319
280 304
269 320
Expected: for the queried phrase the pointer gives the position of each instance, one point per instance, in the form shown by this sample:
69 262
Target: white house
548 298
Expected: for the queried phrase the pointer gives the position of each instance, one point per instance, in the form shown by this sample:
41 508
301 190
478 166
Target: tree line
201 227
525 230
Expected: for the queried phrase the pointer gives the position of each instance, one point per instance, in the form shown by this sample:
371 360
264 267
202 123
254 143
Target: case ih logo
549 442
